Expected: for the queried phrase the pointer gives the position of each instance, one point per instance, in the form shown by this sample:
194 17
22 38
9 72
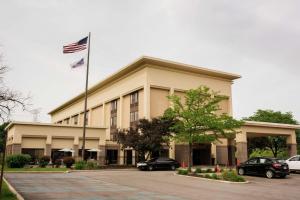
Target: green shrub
183 171
91 164
18 160
207 176
209 171
44 161
200 175
198 170
228 175
57 163
80 165
214 176
68 161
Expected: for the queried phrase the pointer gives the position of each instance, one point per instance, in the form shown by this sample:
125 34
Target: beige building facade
137 91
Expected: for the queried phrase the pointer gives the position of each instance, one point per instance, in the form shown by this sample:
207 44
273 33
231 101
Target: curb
207 179
36 171
99 170
13 190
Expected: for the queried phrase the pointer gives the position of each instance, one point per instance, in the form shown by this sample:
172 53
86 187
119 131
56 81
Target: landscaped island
223 174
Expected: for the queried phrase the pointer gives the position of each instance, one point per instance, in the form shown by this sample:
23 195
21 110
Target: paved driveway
139 185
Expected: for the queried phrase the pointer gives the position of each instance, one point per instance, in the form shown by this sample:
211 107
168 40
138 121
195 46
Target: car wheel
150 168
173 167
269 174
241 171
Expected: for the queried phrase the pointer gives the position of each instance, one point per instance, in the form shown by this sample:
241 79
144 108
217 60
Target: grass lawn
39 169
6 193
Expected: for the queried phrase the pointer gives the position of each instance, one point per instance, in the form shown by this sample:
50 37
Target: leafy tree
146 137
197 120
274 143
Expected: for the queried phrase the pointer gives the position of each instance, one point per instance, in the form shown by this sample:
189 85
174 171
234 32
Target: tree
9 100
274 143
197 120
147 137
2 135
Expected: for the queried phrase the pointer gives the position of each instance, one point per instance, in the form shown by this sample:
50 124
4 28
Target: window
252 161
60 122
111 156
296 158
134 98
262 160
34 153
113 105
134 116
75 119
113 121
67 121
86 117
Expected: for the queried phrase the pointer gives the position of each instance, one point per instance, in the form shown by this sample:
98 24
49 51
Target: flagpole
85 99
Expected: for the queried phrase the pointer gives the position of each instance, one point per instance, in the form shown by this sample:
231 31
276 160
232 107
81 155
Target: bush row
231 175
199 170
227 175
80 165
20 160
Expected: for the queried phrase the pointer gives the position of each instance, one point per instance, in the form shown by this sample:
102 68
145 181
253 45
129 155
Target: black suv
270 167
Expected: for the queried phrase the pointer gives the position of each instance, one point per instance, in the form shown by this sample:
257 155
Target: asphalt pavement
144 185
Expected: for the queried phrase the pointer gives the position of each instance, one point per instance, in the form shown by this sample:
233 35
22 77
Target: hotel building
139 90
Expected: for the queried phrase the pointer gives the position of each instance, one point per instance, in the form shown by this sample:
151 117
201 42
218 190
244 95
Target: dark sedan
158 163
270 167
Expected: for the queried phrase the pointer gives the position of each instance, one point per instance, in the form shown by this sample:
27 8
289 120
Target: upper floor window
114 105
113 122
67 121
134 116
86 117
75 119
134 97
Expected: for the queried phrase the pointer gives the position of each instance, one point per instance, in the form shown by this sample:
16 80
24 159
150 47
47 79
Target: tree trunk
190 157
3 161
276 151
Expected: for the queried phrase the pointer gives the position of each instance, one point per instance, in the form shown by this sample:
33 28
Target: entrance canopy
261 129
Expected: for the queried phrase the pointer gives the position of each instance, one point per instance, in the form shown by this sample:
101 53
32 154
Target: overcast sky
260 40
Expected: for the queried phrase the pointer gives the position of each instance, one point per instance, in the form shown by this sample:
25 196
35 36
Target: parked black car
270 167
158 163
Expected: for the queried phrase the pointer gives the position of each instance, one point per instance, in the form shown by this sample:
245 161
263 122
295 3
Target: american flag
77 46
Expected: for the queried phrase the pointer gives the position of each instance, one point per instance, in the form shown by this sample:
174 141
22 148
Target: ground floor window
128 157
87 154
34 153
163 153
111 156
202 154
56 154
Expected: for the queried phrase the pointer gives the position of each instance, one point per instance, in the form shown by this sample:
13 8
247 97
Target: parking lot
134 184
